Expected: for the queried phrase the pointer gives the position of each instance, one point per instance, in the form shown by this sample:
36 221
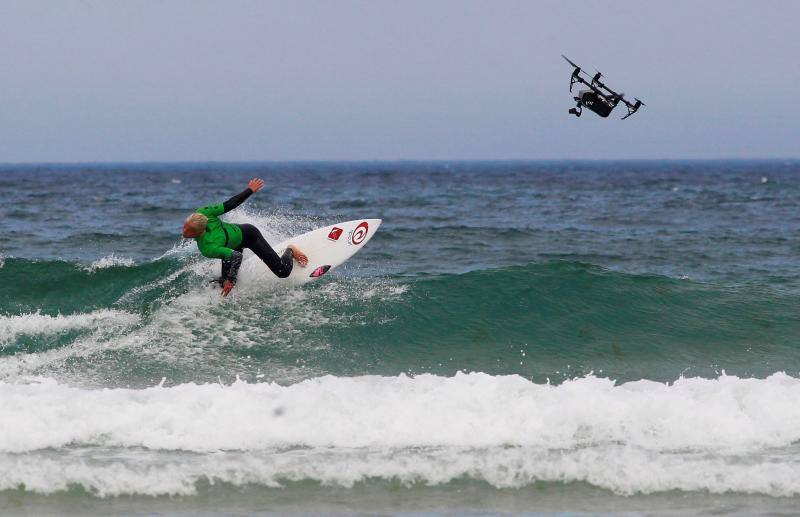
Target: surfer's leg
226 268
252 239
230 268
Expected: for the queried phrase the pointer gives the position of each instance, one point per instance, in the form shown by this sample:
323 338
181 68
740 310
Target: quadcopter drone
599 98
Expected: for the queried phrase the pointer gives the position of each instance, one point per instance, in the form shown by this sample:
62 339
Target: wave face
552 320
533 335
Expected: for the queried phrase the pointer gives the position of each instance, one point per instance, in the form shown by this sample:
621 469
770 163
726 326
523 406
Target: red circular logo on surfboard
360 233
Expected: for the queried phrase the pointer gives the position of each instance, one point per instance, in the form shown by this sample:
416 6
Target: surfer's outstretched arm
254 185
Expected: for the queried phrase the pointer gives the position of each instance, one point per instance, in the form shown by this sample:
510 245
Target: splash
109 261
38 324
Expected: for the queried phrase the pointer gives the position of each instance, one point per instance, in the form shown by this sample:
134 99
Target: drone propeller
568 61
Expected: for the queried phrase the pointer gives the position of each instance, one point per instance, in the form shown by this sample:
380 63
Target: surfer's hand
227 285
255 184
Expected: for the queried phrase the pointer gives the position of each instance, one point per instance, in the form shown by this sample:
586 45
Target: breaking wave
717 435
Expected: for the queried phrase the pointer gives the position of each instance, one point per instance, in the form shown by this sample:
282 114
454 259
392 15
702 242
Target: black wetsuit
255 242
227 241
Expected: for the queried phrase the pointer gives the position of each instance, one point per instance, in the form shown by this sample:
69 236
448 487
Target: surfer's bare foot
298 255
226 287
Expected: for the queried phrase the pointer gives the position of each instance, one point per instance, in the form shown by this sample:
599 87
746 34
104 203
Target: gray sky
437 79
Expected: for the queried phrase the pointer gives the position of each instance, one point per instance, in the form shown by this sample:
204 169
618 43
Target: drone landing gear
578 109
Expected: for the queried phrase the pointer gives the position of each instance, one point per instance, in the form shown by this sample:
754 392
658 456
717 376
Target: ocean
518 337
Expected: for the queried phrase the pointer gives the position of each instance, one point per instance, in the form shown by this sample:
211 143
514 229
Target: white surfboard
326 248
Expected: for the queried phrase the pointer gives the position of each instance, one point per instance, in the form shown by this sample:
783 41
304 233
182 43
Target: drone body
598 98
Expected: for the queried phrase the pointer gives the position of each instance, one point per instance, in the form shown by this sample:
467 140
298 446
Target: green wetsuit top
220 238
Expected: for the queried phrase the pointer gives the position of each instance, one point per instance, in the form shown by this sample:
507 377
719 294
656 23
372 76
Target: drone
599 98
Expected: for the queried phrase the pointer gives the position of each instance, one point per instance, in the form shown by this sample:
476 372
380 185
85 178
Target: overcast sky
436 79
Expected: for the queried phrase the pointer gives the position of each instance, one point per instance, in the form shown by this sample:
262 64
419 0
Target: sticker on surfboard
359 234
319 271
335 233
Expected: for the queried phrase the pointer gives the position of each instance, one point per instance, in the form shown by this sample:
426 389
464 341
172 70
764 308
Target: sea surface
517 337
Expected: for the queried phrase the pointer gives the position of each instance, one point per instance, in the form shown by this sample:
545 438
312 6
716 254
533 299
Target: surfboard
327 248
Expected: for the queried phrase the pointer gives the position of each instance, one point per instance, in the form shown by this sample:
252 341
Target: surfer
226 241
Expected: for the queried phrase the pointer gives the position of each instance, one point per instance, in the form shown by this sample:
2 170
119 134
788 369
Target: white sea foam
470 410
109 261
726 434
36 323
625 471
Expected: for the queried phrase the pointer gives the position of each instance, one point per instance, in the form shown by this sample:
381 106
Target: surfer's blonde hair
198 221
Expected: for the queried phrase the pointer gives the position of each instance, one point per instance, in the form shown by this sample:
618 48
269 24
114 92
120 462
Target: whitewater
694 434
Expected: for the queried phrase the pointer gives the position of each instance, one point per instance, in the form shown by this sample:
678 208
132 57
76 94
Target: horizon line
392 160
